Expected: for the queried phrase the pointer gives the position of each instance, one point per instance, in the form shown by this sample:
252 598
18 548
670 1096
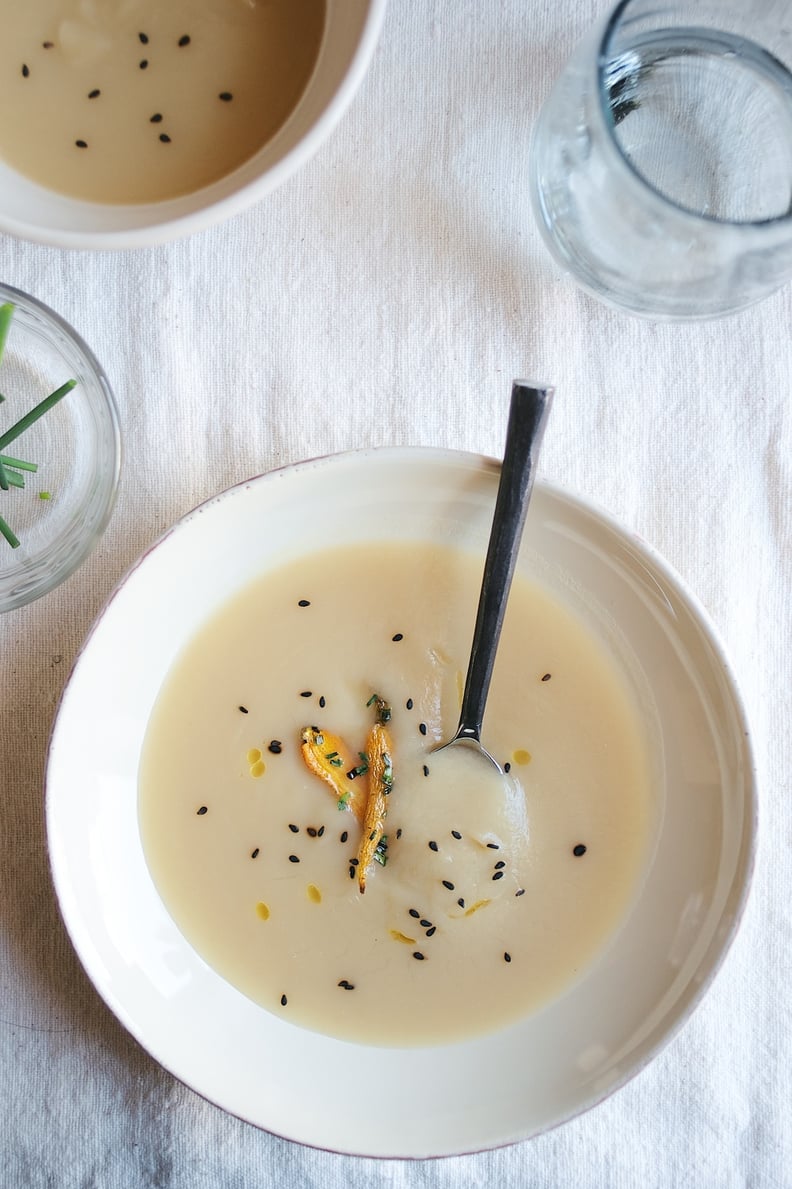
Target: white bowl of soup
134 123
523 944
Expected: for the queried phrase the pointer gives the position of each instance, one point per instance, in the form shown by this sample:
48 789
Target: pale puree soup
488 896
130 101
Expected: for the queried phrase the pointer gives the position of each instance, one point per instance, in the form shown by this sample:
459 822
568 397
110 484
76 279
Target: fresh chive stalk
40 409
3 478
14 479
6 314
12 539
18 464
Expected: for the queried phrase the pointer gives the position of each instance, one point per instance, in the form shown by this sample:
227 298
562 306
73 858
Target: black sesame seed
202 811
426 769
398 832
322 702
143 63
397 637
94 94
499 864
156 118
426 924
417 954
355 862
546 677
498 875
48 45
422 728
492 846
432 931
520 892
25 71
507 767
306 693
143 38
578 850
254 853
311 832
433 845
165 138
185 40
351 871
409 703
506 956
284 1001
226 96
461 902
293 859
303 603
320 832
348 986
294 829
344 836
456 834
447 884
81 144
415 913
274 746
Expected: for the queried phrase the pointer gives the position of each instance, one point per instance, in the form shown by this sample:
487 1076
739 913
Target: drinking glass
661 165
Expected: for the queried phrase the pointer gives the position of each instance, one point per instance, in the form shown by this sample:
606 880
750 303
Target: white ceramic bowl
32 212
431 1101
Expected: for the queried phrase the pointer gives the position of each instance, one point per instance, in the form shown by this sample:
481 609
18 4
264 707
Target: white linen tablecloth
389 294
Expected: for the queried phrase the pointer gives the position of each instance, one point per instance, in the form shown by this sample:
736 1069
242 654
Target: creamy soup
491 894
129 101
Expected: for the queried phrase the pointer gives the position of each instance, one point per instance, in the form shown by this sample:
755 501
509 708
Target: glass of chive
59 449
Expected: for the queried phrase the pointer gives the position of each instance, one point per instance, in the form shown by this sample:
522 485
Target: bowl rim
164 225
76 558
739 890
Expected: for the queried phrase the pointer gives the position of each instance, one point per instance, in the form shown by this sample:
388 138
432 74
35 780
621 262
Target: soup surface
496 892
130 101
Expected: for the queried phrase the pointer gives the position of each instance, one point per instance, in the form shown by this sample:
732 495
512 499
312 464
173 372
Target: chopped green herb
40 409
13 540
343 800
18 463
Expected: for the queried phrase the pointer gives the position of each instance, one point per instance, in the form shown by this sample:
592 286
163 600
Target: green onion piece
18 463
14 479
45 495
41 408
3 478
6 314
13 540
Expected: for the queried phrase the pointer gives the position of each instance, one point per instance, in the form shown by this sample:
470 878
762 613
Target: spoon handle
530 405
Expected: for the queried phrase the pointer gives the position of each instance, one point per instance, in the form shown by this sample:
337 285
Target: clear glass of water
661 166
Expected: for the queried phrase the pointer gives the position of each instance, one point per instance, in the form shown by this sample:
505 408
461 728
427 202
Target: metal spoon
530 405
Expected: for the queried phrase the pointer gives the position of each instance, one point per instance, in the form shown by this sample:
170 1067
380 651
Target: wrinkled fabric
388 294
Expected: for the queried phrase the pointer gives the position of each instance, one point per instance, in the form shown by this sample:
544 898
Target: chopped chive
12 539
331 755
14 479
18 463
40 409
6 314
